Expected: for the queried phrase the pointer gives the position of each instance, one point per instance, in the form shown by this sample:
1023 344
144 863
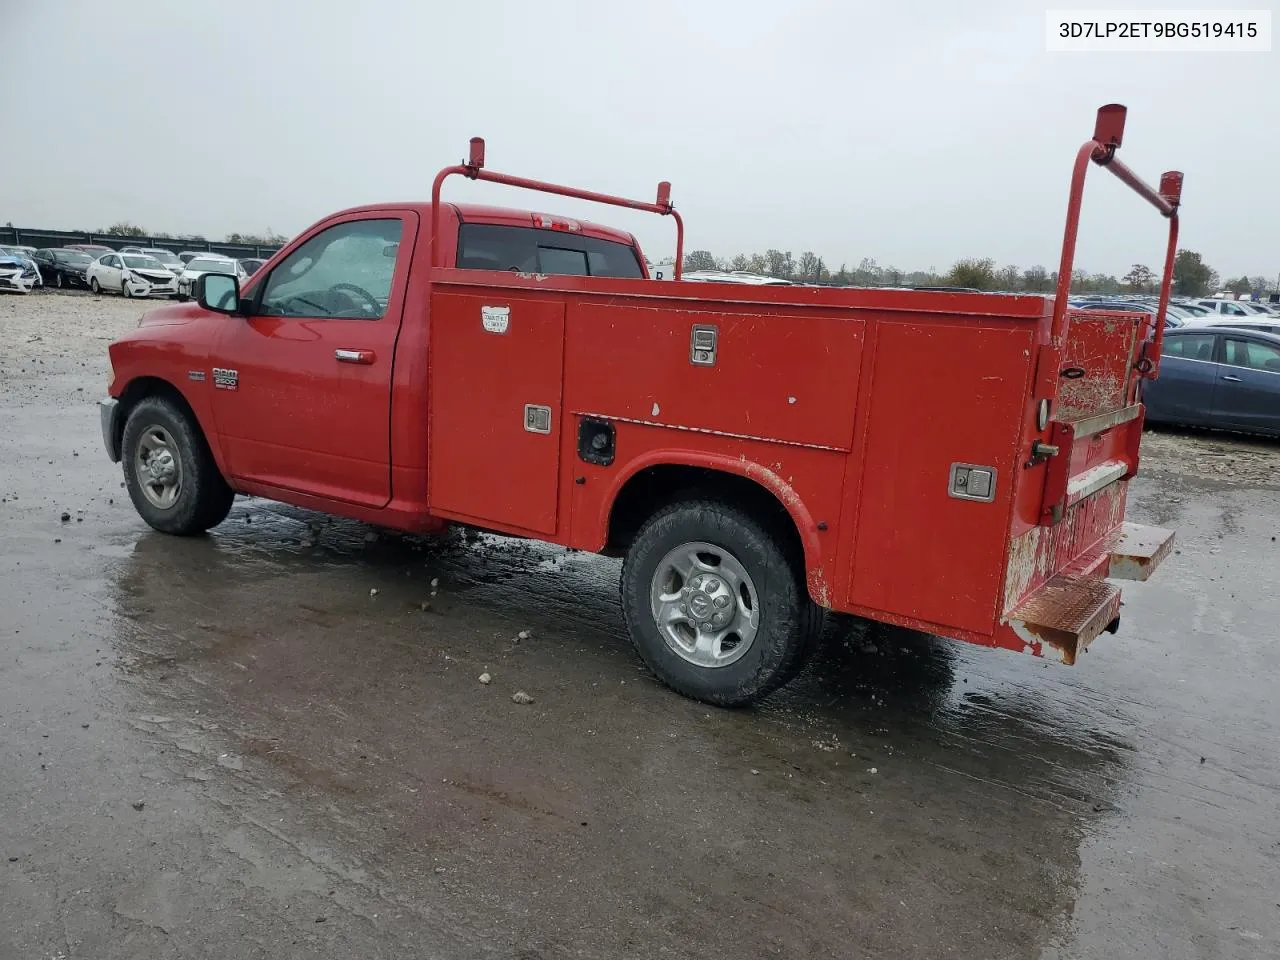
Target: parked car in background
252 265
25 255
17 273
1220 377
1228 308
132 250
63 268
1263 309
186 256
209 263
738 276
1174 317
167 257
1190 308
131 275
1261 324
94 250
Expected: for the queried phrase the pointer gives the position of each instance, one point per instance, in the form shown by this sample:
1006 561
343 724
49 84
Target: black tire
203 498
57 280
124 289
789 623
95 287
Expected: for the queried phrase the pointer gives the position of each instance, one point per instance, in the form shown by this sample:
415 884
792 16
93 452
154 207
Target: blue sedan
1219 377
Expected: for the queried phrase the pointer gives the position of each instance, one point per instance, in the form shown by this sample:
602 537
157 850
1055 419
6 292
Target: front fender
126 393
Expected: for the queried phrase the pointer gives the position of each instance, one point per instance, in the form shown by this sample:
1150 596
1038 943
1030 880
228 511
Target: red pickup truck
951 462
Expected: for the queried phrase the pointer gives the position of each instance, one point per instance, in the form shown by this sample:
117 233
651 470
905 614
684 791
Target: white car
737 276
167 257
1233 308
17 273
131 275
198 266
1267 324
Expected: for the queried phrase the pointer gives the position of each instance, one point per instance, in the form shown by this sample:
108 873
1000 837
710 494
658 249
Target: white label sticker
495 319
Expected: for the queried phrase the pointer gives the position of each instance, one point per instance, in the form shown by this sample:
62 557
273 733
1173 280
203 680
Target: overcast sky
914 133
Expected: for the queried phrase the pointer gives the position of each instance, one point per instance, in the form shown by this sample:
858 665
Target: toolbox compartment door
495 411
942 394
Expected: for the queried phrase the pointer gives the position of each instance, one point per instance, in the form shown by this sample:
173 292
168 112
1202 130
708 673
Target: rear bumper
1062 617
1135 551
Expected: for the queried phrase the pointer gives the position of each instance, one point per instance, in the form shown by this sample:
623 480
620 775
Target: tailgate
1096 425
1056 592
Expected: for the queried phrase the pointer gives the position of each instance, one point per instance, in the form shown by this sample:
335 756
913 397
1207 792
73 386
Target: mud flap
1064 616
1138 550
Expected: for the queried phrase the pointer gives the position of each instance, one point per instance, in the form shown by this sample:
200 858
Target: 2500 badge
225 379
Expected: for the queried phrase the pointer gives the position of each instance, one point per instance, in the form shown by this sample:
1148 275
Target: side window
608 259
111 262
344 271
1234 310
1254 355
1197 346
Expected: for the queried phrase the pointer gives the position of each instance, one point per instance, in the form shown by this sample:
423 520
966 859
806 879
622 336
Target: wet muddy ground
271 742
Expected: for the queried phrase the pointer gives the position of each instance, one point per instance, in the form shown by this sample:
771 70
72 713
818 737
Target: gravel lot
272 741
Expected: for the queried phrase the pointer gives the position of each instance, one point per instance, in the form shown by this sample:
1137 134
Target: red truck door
302 386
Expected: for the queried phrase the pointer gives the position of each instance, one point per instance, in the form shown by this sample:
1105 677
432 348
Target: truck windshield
488 246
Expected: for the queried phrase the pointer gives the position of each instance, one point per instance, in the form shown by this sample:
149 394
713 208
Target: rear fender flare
816 573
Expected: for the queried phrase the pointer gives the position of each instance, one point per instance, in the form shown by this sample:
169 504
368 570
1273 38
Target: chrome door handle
1232 379
353 356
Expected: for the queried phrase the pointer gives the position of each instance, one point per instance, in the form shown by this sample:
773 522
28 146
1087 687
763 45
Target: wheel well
653 488
144 387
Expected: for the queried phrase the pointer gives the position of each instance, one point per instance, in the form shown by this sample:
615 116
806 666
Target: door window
111 261
1254 355
1193 346
343 271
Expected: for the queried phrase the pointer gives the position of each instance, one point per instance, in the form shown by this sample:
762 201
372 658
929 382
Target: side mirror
217 291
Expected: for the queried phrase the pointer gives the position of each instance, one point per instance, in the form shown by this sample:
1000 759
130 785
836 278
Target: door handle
1232 379
353 356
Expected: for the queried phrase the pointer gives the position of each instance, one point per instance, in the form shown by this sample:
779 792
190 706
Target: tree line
126 229
1192 277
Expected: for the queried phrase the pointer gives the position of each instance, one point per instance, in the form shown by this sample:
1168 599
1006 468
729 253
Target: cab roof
507 216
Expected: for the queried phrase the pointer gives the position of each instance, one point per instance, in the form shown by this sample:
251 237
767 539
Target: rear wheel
169 471
715 603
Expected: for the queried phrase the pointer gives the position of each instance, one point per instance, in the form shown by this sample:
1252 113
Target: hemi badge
196 375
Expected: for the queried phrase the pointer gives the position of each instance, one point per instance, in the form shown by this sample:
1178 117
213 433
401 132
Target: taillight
564 224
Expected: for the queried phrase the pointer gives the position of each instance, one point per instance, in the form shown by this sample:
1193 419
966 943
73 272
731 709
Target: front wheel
57 280
95 286
169 471
715 603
